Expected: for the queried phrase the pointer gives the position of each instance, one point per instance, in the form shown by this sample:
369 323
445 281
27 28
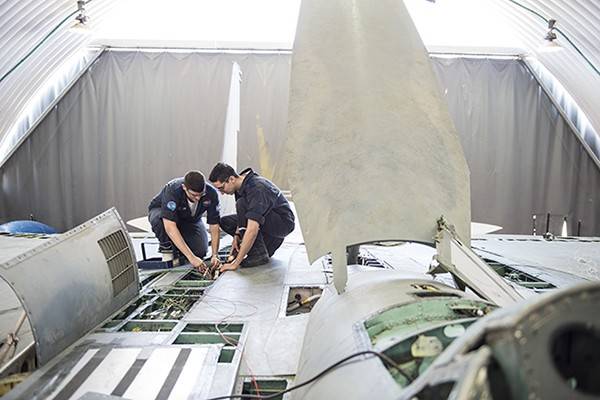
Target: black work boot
166 251
257 255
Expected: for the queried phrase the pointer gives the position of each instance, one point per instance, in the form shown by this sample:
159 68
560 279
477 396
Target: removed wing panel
372 150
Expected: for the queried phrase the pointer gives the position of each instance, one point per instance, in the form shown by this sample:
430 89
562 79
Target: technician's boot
167 252
257 255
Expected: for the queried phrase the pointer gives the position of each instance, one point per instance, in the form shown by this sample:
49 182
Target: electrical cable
589 62
229 340
40 43
385 359
235 345
231 302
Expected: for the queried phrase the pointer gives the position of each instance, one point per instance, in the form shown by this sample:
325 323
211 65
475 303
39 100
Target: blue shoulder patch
171 205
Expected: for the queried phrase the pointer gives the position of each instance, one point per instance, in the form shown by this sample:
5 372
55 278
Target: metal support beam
469 269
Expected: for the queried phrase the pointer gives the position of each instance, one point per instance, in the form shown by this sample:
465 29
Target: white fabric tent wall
134 121
137 119
523 157
580 21
24 23
518 27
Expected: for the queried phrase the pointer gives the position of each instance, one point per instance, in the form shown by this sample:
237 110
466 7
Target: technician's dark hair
221 172
194 180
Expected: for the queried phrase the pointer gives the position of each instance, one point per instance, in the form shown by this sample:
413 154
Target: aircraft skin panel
573 257
85 358
11 312
193 379
372 150
14 245
152 375
67 284
274 346
109 373
389 288
141 373
526 342
336 329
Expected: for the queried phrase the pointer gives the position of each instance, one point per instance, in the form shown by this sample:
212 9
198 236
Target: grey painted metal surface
183 371
526 344
522 340
334 332
132 372
564 259
16 245
256 296
65 284
472 271
11 312
270 343
373 154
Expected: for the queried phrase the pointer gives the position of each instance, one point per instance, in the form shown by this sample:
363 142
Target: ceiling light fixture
80 25
550 43
551 35
82 16
554 30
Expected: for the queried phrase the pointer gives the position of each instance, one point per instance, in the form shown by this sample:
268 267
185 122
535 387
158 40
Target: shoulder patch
171 205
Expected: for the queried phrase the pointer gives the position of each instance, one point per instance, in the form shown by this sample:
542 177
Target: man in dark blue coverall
263 216
175 213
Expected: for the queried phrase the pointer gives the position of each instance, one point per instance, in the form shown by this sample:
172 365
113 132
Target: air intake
118 257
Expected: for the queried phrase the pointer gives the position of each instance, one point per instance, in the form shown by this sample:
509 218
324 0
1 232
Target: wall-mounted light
81 26
562 34
551 35
550 43
81 16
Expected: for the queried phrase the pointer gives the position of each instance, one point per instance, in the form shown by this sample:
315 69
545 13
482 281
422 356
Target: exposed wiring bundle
385 359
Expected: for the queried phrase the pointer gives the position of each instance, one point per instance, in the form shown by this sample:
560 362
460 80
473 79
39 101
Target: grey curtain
523 157
138 119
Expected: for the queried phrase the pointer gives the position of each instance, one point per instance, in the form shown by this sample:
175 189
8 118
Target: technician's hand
214 262
235 245
230 266
198 263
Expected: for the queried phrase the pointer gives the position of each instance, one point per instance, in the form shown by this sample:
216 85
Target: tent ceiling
463 26
254 24
580 21
23 25
466 26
